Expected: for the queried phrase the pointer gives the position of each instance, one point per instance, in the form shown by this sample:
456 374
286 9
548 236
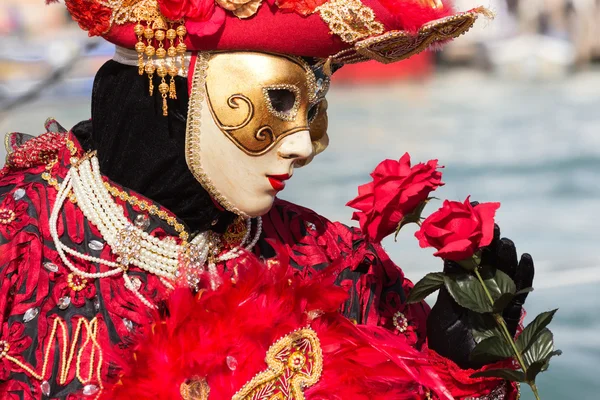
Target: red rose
396 191
458 229
193 10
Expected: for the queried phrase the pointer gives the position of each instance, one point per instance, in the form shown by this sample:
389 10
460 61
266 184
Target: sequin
128 324
64 302
51 267
96 245
142 221
19 194
89 390
231 363
45 388
31 314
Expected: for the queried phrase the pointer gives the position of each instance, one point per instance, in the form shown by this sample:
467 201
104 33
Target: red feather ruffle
224 335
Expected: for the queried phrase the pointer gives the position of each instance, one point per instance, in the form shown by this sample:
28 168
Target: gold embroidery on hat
295 362
398 45
351 20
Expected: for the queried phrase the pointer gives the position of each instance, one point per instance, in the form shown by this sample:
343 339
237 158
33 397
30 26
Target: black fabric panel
141 149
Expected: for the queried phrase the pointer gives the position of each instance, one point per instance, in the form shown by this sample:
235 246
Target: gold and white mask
252 117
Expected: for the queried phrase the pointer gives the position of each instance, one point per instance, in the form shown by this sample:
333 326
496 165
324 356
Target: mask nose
297 146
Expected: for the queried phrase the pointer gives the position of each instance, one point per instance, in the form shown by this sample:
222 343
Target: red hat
342 31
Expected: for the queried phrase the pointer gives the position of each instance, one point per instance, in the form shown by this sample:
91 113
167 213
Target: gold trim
295 362
193 131
351 20
398 45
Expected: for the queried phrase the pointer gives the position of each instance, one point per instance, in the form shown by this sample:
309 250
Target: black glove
449 325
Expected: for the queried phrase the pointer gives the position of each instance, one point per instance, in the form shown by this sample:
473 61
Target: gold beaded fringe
157 60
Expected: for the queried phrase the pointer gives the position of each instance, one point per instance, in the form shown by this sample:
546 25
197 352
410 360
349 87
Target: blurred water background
512 111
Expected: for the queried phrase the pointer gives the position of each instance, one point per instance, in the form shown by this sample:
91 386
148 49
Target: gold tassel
158 29
181 47
163 88
140 47
150 52
172 90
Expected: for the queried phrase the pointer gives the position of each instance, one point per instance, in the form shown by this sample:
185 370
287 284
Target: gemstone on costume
30 314
136 283
76 283
96 245
51 267
19 194
400 321
128 324
142 221
64 302
90 390
297 361
45 388
232 363
96 304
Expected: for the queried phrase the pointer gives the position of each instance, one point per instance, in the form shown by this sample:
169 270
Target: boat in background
420 66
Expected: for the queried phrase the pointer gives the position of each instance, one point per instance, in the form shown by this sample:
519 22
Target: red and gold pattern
295 362
81 352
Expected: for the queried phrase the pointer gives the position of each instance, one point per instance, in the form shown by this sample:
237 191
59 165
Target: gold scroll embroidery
351 20
295 362
88 332
398 45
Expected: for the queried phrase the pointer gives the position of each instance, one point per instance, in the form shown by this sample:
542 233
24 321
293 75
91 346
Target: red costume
70 337
89 268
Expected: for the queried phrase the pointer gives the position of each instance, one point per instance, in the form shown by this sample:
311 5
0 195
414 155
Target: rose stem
500 321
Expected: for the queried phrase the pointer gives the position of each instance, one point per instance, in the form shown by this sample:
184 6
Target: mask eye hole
283 101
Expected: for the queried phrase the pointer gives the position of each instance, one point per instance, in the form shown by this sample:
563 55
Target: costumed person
155 226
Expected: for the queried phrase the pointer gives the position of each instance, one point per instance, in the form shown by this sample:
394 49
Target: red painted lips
278 181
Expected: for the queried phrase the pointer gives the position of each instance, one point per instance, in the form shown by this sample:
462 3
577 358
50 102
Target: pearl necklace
132 245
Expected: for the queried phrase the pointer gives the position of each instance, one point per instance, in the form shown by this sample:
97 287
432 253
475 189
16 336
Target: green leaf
508 374
483 326
542 347
540 366
531 331
429 284
534 369
547 359
525 290
491 349
466 290
497 282
502 301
